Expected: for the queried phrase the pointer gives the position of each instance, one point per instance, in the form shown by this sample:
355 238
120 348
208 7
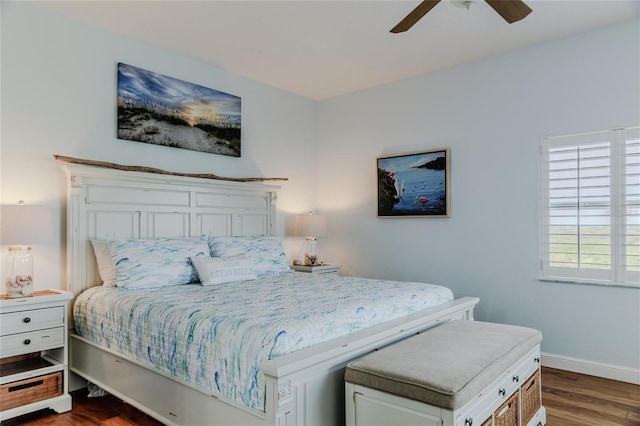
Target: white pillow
106 268
218 270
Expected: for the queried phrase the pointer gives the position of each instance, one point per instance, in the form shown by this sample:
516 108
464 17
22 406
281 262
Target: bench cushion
445 366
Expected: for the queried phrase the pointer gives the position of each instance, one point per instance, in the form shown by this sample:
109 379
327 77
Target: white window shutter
630 234
589 208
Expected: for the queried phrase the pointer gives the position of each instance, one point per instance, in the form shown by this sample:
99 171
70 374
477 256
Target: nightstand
33 353
319 269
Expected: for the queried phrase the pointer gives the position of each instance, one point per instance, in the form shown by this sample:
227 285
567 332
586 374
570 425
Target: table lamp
21 225
310 226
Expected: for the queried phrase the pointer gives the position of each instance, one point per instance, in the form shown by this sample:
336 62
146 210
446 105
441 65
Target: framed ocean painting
414 184
161 110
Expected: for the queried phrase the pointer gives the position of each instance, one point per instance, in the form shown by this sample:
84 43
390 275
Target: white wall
58 86
491 114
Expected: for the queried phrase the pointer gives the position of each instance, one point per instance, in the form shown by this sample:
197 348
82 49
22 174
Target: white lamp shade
25 224
311 225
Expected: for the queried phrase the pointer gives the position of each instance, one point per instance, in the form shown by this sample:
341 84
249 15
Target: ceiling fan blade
414 16
511 10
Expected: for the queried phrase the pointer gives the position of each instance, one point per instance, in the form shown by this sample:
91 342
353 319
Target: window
590 208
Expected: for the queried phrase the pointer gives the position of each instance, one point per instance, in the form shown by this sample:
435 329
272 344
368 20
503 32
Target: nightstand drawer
30 390
35 319
33 341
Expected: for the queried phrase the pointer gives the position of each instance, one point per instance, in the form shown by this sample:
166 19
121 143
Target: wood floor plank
117 421
557 419
586 388
608 384
588 414
567 418
613 405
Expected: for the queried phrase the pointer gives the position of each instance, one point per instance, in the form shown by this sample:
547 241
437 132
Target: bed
291 378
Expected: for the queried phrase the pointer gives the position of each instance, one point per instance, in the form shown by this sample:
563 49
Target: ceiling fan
511 10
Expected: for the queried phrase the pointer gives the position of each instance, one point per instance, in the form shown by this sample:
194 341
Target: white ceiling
320 49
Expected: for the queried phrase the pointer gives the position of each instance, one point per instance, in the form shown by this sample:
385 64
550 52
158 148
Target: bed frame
303 388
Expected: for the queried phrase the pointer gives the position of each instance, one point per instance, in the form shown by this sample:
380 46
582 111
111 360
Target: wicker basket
30 390
531 401
508 413
488 422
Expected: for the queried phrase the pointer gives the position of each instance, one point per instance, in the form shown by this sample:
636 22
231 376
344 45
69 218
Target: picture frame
161 110
415 184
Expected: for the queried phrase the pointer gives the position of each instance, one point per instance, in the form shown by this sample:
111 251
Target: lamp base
19 263
310 259
309 252
24 291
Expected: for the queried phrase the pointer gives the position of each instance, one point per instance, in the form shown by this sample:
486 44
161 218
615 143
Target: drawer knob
536 360
502 392
468 422
26 320
516 379
27 341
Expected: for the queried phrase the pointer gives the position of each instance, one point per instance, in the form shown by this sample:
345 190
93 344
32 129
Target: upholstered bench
460 373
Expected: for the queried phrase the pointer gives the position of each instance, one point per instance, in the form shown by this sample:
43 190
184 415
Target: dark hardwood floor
102 411
571 399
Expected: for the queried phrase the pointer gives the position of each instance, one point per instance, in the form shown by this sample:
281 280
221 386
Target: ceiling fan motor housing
463 4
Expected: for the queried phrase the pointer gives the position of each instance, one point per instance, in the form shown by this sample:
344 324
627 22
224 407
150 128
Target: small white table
33 348
318 269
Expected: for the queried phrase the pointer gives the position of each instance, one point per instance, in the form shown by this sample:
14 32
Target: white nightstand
319 269
33 353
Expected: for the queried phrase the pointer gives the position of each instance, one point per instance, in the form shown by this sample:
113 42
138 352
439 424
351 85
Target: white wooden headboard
112 204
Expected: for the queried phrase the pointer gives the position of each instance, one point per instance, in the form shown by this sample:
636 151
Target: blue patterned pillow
160 262
266 253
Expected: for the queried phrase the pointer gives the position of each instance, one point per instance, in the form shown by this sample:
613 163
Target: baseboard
592 368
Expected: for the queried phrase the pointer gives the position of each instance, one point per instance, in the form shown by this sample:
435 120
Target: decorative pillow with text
218 270
266 253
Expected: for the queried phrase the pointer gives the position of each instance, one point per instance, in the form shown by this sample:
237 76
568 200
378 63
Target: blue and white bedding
217 336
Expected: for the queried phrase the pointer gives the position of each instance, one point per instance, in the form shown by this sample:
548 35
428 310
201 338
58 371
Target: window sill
590 282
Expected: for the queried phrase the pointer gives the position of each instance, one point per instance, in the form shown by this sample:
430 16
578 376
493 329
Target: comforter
216 337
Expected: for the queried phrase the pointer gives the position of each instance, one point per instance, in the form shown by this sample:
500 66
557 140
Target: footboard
163 397
303 388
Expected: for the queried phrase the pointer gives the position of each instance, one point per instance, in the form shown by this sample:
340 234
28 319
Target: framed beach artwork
161 110
414 184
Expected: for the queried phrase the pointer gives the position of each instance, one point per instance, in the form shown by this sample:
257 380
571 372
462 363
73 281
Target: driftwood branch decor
157 171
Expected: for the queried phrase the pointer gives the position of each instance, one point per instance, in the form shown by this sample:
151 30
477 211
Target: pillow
160 262
266 253
106 268
218 270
